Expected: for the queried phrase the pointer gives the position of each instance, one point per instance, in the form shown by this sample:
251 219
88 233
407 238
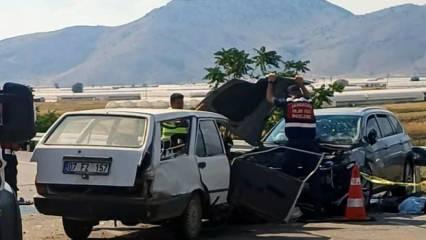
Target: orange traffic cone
355 208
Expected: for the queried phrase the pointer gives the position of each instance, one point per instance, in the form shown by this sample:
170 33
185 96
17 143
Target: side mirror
372 137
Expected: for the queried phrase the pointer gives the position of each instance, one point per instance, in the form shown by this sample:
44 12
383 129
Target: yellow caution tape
382 181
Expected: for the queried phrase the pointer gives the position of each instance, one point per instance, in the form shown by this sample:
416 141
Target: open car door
259 184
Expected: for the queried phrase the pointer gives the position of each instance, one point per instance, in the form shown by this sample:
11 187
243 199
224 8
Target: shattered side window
175 137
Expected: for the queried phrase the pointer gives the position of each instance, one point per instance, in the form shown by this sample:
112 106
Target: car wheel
409 176
77 230
189 224
367 186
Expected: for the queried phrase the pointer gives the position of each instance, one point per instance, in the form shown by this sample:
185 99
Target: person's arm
270 89
301 84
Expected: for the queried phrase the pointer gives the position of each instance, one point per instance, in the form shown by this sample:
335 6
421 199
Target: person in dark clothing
300 129
11 170
176 101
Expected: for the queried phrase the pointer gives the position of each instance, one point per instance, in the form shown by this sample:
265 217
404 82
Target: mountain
174 43
387 41
35 57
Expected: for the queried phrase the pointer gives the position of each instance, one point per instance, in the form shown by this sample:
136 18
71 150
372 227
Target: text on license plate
85 167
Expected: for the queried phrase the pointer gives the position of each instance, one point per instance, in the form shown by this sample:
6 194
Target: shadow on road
397 220
264 232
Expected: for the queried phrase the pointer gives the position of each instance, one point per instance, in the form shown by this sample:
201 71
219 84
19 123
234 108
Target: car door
212 161
404 147
393 149
176 171
375 153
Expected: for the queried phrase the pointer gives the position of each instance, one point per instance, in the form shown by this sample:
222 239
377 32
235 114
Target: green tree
44 121
323 94
215 76
266 60
293 68
234 63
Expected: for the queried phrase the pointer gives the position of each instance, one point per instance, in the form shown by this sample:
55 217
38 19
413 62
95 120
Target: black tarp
244 104
16 114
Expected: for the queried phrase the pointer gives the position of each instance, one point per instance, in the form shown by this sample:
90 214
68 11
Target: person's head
294 91
176 101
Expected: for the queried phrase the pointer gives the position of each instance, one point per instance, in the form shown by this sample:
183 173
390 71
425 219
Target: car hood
245 105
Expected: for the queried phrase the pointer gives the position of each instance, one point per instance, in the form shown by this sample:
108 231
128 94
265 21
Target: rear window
99 130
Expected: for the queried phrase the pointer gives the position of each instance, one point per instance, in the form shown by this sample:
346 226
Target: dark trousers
300 164
11 170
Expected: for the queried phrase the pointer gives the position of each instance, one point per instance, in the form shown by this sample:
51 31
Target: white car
123 164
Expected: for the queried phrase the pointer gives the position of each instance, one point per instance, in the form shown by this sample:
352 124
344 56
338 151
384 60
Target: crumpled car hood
245 105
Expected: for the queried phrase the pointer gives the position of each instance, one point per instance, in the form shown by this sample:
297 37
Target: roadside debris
413 205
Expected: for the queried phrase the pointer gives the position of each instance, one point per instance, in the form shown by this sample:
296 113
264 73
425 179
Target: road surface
387 226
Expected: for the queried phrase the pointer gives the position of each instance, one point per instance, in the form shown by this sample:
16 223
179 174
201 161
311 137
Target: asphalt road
387 226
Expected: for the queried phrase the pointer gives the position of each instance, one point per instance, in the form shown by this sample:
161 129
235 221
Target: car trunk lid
123 164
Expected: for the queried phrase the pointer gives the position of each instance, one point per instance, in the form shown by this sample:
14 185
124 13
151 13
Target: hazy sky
27 16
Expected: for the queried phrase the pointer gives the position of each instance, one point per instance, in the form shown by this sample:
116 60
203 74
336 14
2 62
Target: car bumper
112 208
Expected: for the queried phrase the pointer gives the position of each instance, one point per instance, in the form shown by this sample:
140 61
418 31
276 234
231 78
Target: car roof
353 111
157 114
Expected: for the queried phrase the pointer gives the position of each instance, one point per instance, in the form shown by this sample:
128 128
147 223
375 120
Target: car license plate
86 167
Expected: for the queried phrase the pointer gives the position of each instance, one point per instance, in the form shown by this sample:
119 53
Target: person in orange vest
300 129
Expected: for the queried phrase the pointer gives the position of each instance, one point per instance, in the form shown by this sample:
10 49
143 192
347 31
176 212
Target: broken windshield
332 129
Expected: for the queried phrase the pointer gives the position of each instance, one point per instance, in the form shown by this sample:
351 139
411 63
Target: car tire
77 230
408 176
188 226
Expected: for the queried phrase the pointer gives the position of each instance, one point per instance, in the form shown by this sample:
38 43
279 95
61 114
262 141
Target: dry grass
413 117
62 107
406 107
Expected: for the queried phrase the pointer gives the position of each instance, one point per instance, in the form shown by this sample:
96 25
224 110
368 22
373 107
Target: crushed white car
133 165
